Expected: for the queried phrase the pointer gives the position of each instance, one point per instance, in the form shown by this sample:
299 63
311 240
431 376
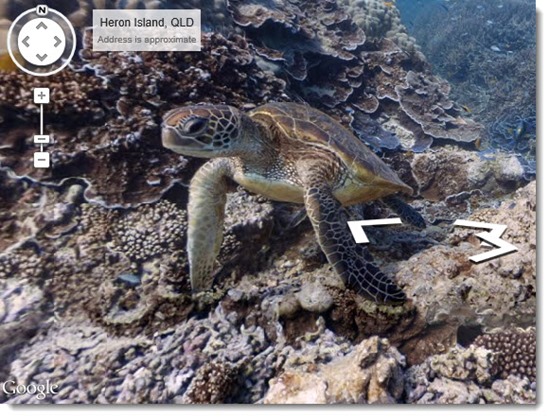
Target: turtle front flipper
352 262
405 212
205 213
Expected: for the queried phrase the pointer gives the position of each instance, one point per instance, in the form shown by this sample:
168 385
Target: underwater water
487 51
326 202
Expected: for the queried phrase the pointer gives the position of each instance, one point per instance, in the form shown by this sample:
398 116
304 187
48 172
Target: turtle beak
185 145
173 140
170 138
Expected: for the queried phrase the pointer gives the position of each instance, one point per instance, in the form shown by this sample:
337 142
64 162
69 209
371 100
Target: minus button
41 160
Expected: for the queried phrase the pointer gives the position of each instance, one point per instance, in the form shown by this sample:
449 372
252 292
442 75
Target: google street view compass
41 41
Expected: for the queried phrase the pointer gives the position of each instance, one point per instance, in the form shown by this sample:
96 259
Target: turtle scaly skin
351 261
285 152
405 212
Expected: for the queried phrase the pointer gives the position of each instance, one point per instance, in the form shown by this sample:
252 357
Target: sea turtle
287 152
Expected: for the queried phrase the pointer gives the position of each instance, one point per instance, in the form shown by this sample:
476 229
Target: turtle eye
195 125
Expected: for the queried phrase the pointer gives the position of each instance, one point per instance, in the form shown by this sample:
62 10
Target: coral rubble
464 376
371 373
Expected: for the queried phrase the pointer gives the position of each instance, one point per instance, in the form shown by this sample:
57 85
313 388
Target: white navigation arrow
359 235
492 237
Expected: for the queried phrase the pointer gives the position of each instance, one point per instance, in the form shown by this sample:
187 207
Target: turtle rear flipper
405 211
352 262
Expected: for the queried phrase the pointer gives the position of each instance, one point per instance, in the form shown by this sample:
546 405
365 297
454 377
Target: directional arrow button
492 237
44 43
360 236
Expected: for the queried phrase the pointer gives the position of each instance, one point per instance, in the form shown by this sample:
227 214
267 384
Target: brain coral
516 352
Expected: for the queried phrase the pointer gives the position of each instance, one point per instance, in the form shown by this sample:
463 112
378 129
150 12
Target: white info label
147 30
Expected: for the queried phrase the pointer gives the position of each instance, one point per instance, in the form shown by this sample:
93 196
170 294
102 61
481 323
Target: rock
314 297
449 171
296 388
447 288
370 373
248 226
510 170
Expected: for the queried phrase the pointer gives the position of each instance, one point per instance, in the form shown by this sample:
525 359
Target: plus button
41 95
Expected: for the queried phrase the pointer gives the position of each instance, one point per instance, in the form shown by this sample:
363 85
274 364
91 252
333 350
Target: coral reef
130 313
94 286
515 350
333 64
464 376
491 67
276 296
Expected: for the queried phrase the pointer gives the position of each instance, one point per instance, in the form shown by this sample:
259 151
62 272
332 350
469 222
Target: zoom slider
41 139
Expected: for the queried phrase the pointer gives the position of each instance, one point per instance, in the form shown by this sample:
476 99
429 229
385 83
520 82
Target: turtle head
204 131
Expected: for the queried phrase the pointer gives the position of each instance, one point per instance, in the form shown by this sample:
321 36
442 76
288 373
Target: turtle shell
311 126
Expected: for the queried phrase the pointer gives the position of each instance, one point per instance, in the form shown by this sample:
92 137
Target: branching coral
146 233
